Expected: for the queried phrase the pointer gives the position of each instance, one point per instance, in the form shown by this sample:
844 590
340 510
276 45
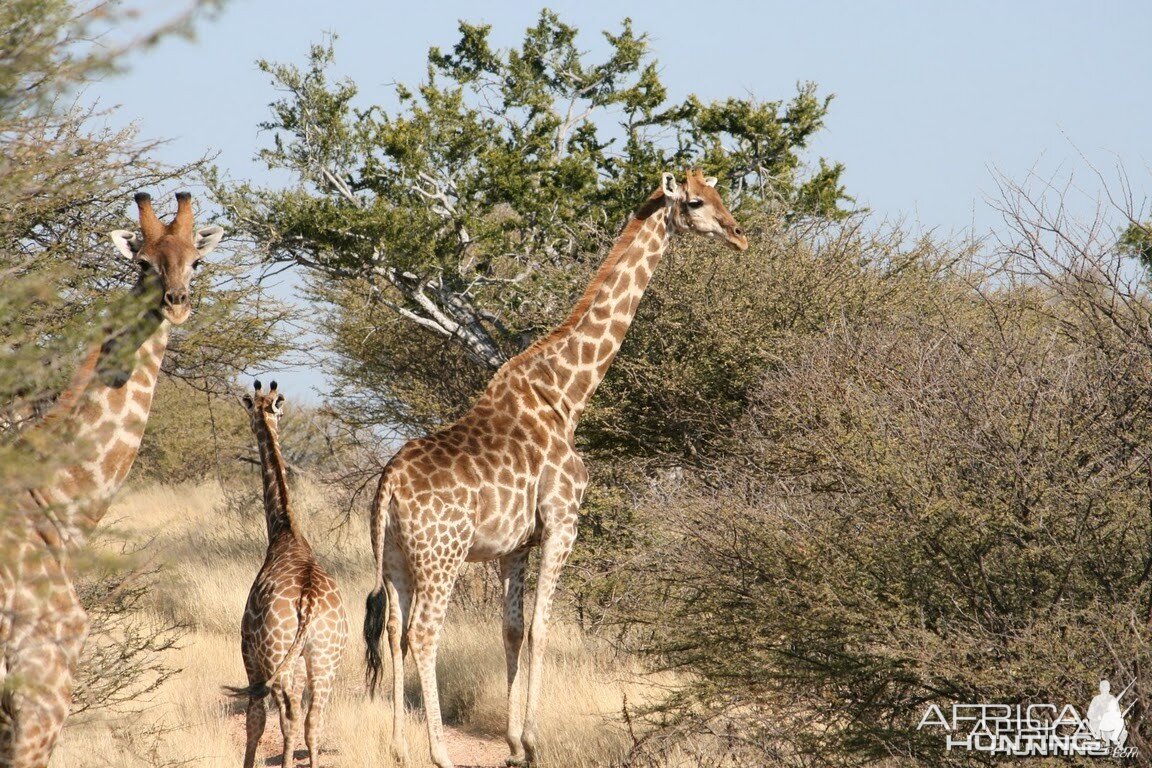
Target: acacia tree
450 231
65 182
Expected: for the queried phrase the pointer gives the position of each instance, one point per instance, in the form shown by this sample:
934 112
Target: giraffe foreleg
512 575
555 546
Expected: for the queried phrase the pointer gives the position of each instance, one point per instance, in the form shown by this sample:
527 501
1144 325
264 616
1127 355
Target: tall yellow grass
211 542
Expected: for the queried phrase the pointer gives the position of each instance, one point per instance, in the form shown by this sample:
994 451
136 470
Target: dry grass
211 543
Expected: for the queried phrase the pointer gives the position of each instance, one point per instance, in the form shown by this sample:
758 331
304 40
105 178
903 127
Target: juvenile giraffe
506 476
294 631
42 625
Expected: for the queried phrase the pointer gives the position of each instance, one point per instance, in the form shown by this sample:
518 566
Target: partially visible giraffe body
103 413
294 628
507 477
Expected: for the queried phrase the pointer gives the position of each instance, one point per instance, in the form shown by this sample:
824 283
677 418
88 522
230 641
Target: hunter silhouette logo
1105 718
1037 729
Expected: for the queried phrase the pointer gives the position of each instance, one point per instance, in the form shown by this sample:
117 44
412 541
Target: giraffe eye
695 203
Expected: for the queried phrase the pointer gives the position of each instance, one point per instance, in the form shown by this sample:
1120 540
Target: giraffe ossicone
506 476
104 411
294 629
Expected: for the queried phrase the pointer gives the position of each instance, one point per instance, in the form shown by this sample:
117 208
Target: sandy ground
212 553
473 751
467 750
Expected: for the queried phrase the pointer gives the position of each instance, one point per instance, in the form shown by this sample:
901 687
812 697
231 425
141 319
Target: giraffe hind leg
254 721
320 679
399 591
287 723
289 695
433 592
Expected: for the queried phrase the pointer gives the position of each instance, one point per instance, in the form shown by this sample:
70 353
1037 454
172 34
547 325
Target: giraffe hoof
516 762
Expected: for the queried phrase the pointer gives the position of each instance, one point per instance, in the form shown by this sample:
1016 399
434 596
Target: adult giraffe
103 412
507 477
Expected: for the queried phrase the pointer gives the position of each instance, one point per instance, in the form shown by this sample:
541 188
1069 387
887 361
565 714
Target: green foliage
123 665
943 498
1136 242
193 436
675 403
712 324
375 350
65 182
478 207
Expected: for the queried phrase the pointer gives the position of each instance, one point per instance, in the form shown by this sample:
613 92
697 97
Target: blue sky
932 99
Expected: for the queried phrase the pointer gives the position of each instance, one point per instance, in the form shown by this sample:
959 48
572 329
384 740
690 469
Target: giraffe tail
376 607
262 688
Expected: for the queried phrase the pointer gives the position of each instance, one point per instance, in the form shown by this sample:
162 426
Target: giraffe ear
711 181
207 238
671 189
246 401
128 243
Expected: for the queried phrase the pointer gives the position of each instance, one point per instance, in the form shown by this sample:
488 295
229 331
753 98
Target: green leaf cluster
459 222
938 493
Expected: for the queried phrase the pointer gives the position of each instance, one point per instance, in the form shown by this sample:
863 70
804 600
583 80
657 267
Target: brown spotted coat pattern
103 414
294 630
506 477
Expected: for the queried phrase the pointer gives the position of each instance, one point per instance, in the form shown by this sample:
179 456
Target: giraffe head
265 409
167 253
696 207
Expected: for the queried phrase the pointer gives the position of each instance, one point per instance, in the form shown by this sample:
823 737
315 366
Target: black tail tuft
254 691
374 612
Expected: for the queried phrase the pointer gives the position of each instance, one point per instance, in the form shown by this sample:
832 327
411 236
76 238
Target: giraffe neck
277 509
578 353
102 416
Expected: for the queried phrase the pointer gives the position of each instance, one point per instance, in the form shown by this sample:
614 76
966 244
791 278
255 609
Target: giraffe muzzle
175 298
176 307
736 238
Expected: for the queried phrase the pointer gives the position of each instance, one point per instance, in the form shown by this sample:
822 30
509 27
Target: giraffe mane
269 440
623 243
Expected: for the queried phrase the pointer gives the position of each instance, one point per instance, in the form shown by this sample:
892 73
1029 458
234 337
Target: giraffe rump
261 688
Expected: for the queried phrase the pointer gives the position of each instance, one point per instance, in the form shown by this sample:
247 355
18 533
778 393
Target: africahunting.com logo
1037 729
